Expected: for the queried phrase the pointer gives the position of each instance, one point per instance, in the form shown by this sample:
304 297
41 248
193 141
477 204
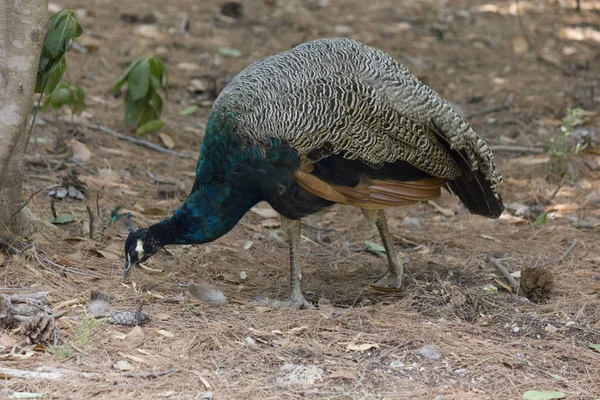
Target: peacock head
139 246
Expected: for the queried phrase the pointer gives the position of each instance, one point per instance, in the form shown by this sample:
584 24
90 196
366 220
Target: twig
26 202
24 298
91 215
517 149
504 106
567 252
152 375
496 263
139 142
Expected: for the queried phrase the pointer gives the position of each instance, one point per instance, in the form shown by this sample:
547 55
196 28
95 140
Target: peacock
328 121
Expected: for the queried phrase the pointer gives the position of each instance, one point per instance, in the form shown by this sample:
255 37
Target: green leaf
62 219
55 75
133 110
374 246
150 126
78 100
543 395
123 78
189 110
595 347
541 220
229 52
61 96
138 81
156 103
148 114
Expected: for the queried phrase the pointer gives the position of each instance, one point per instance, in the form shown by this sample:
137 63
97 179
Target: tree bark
23 25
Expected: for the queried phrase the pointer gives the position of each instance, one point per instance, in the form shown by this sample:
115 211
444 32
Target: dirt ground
445 335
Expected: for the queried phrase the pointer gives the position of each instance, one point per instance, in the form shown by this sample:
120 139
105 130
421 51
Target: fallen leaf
7 341
298 329
80 151
120 336
109 255
147 268
270 223
167 140
136 332
543 395
134 358
344 374
189 110
230 52
520 45
62 219
264 212
165 333
488 237
595 347
362 347
1 258
203 380
123 365
374 246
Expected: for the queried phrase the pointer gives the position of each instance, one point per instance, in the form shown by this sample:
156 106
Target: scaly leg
393 277
291 228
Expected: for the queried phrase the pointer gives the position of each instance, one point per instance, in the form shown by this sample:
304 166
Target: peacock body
329 121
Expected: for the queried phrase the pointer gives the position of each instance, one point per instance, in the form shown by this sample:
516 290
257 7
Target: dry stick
152 375
517 149
564 255
91 214
139 142
26 202
504 106
496 263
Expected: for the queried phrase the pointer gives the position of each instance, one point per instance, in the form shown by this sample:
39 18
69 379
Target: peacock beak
127 268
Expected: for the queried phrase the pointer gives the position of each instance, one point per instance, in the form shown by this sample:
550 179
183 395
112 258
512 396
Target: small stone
411 222
73 192
551 328
397 364
243 275
62 193
249 341
516 329
570 323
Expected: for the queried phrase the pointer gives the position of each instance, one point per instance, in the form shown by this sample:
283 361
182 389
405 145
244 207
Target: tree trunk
23 25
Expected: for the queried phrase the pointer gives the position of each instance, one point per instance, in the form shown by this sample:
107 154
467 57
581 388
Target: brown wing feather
372 193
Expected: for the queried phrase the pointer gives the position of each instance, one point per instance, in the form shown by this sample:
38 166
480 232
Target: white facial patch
139 247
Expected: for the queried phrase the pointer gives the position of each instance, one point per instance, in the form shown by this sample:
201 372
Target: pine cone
536 283
41 328
6 311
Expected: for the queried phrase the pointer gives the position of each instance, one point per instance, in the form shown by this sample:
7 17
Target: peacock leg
393 277
292 227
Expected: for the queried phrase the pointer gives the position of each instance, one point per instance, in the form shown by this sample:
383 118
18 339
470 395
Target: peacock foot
390 280
295 302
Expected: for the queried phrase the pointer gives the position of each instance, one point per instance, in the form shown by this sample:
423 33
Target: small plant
562 151
64 27
66 94
81 339
145 78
